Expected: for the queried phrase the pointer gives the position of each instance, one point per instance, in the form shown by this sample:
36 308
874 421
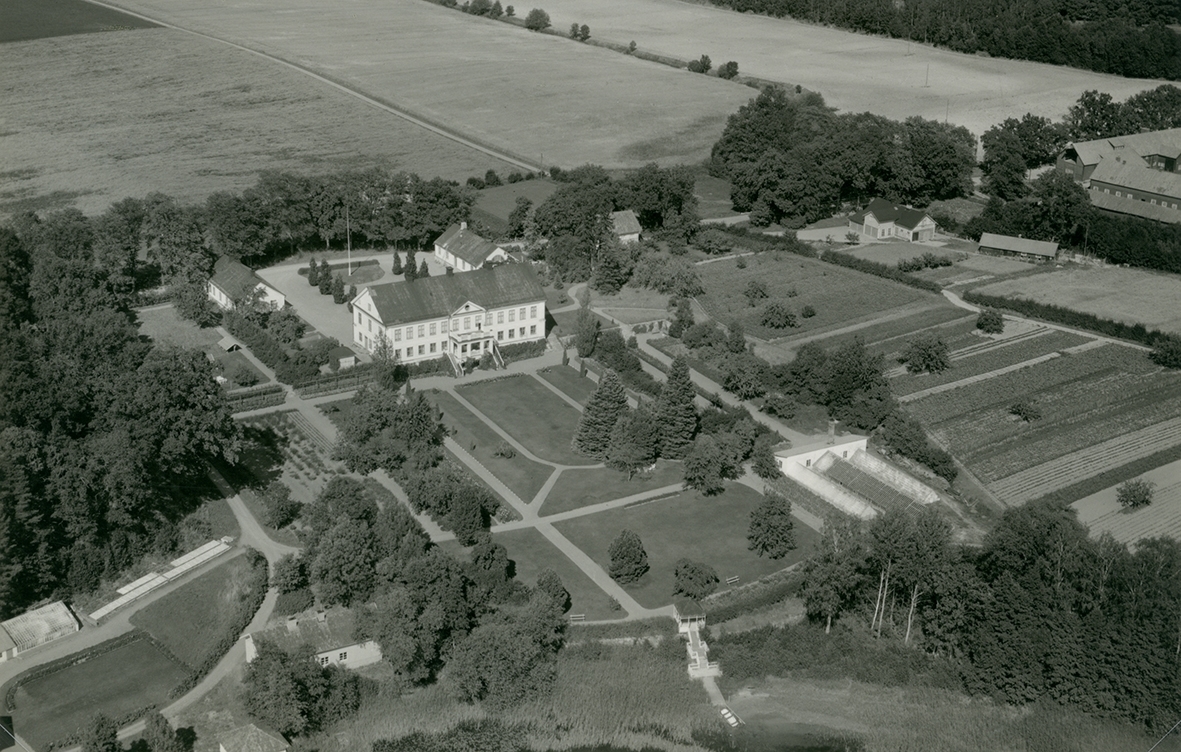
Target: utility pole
348 235
927 81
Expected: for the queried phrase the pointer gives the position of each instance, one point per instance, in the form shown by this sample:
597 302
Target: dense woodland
1125 38
102 436
1040 611
792 159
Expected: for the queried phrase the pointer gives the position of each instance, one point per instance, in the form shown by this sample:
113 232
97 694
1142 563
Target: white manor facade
458 316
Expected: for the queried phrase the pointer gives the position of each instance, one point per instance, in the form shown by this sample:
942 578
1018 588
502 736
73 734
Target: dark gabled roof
465 244
436 297
1018 245
687 608
886 211
1137 176
625 222
1166 143
234 278
1134 207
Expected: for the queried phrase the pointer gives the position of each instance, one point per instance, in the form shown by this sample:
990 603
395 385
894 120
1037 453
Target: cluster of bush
491 179
452 498
896 274
926 261
906 436
321 277
301 364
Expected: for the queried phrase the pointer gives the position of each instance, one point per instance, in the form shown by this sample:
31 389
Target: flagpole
348 233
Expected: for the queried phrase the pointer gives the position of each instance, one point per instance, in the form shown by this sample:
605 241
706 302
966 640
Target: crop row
977 429
1063 471
942 407
1011 456
1162 518
989 360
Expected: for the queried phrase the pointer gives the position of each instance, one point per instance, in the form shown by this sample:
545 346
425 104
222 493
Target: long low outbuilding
1007 245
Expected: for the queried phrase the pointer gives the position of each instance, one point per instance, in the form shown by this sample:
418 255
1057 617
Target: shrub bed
757 595
879 270
522 351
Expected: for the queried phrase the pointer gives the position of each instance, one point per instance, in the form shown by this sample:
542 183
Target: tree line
1125 38
103 438
1040 611
792 159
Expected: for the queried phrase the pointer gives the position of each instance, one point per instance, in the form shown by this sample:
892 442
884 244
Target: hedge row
879 270
803 498
660 626
760 241
1115 476
522 351
341 381
759 596
253 399
1069 317
259 581
267 349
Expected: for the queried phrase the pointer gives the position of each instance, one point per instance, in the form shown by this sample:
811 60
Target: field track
1085 463
372 102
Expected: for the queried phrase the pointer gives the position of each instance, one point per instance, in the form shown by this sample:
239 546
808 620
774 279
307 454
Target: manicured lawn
232 362
115 683
567 321
191 620
838 295
535 416
524 476
710 530
165 327
581 488
567 380
533 553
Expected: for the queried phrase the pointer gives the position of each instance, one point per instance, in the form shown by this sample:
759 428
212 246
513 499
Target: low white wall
893 477
843 500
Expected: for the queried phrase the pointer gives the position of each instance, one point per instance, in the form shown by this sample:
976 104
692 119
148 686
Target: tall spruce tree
602 412
675 414
411 269
397 267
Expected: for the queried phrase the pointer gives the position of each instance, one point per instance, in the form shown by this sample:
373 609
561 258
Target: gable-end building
626 226
250 738
458 316
1137 175
232 280
885 219
465 251
330 635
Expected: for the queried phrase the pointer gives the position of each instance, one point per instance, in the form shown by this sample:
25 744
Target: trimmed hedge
263 396
522 350
660 626
259 582
341 381
879 270
1069 317
760 241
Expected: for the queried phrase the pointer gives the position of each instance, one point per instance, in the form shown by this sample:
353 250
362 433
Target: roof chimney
832 431
463 225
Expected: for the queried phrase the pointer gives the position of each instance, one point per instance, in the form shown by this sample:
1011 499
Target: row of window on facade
434 347
1119 194
441 327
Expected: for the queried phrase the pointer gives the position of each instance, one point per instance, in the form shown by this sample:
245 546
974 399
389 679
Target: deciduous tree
704 466
629 560
1135 493
694 579
772 532
926 354
634 442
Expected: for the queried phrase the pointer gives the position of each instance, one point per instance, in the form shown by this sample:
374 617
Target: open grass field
838 295
890 253
92 118
570 103
541 420
191 620
566 379
524 476
532 554
117 682
165 327
581 488
710 530
854 72
1132 296
42 19
1103 514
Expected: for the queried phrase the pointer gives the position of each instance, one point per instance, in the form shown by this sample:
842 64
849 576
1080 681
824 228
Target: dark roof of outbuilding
465 244
435 297
1018 245
625 222
886 211
234 278
251 738
1134 207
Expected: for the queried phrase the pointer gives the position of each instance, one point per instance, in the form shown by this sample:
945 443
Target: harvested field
580 104
1062 472
42 19
1102 513
90 119
854 72
839 295
1131 296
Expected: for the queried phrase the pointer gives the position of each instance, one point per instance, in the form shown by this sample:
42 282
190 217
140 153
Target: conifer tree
598 420
325 279
676 416
634 441
411 267
314 273
337 289
423 269
397 264
772 532
629 560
